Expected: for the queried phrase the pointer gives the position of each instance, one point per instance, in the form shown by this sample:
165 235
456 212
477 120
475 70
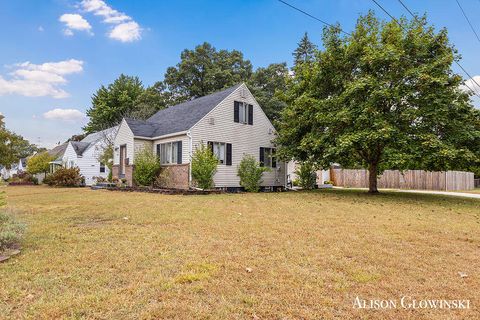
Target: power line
401 26
468 20
406 8
313 17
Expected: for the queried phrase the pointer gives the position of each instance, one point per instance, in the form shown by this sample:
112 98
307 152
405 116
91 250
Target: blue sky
56 53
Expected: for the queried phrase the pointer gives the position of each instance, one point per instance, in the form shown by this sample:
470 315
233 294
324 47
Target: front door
123 156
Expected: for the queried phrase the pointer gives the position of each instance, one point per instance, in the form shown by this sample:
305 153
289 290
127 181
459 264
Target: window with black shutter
236 111
229 154
170 152
179 152
250 114
262 156
267 157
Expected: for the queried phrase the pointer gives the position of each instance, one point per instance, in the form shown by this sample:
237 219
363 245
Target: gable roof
180 117
58 151
96 136
80 147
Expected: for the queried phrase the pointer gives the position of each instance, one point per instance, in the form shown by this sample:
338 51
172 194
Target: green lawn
112 255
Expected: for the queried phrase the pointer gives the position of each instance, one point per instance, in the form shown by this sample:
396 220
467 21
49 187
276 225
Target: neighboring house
230 122
20 166
84 154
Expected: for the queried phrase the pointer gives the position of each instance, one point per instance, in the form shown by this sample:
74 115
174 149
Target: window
267 158
102 167
223 152
243 113
170 152
219 151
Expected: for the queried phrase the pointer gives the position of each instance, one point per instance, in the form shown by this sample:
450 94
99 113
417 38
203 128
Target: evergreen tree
305 51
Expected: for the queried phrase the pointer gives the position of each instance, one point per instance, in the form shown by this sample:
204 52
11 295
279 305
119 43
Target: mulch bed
21 183
165 191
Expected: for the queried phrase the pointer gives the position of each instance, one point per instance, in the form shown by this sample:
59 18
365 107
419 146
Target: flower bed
165 191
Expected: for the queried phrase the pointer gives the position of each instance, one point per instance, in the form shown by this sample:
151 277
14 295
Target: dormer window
243 112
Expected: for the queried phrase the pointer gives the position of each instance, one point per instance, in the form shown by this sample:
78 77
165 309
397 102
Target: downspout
190 153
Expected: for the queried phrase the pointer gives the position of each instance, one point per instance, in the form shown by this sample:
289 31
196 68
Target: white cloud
74 21
125 29
470 84
126 32
38 80
64 114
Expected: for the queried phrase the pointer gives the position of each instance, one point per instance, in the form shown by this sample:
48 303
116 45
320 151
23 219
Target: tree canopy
266 84
205 70
39 163
383 97
305 51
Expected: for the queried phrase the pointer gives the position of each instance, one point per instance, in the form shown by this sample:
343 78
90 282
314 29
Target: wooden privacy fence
409 179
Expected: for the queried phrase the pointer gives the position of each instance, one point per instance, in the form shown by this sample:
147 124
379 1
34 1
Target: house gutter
190 153
180 133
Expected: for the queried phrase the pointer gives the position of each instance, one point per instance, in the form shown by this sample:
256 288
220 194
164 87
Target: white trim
179 133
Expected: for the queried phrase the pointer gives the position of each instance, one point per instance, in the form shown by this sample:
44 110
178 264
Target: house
230 122
15 168
85 155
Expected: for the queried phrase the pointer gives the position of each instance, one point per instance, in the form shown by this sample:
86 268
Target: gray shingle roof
80 147
180 117
58 151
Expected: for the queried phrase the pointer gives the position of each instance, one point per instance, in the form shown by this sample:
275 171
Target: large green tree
13 147
384 97
305 51
267 85
205 70
110 104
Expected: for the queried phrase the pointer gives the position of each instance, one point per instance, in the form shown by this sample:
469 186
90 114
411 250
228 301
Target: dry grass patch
107 255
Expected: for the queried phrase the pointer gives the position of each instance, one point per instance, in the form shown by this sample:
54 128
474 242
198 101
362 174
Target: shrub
307 177
163 179
65 177
147 167
250 173
11 231
204 166
328 182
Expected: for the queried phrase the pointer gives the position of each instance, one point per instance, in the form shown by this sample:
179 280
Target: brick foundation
174 176
128 174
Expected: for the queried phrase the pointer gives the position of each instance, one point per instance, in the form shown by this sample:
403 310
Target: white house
20 166
230 122
84 154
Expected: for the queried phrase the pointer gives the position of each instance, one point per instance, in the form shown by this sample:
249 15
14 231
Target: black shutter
229 154
210 146
262 156
236 111
158 151
250 114
179 152
274 159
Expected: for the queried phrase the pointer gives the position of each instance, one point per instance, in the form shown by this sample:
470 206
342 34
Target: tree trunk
372 178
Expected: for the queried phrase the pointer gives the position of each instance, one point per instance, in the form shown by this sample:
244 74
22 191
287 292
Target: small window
102 167
219 150
267 158
243 112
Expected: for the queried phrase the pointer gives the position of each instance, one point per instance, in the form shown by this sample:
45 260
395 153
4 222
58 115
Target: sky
54 54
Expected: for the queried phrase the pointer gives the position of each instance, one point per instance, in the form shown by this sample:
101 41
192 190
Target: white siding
124 137
139 145
70 156
245 139
89 164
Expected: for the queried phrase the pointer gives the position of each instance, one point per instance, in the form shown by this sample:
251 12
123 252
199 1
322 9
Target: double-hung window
102 167
243 112
223 152
170 152
267 157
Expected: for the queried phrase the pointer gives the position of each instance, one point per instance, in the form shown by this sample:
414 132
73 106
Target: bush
250 173
11 231
307 178
204 166
147 167
65 177
328 182
39 163
163 179
23 178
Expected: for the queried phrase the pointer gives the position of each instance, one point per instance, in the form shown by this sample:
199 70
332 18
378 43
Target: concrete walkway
444 193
